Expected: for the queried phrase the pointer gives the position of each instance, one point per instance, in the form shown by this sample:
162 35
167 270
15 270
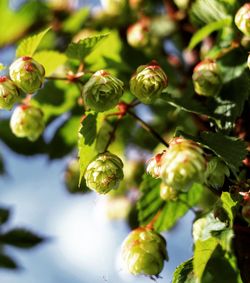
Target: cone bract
154 166
104 173
8 93
27 121
167 193
206 78
144 252
27 74
102 91
148 82
242 19
183 164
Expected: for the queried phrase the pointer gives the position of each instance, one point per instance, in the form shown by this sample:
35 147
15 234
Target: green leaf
103 136
29 45
229 205
21 238
207 30
2 67
7 262
88 128
4 215
202 252
81 49
76 20
184 273
150 203
50 60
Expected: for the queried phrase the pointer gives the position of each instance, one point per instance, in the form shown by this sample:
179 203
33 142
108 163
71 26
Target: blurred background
83 243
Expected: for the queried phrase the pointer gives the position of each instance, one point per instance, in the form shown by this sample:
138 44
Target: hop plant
104 173
8 93
216 173
102 91
27 121
144 252
242 19
154 165
167 193
148 82
183 164
27 74
206 78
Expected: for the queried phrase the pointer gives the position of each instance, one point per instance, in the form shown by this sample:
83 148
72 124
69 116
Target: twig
112 134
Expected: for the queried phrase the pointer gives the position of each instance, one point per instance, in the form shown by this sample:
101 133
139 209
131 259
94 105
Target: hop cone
242 19
148 82
27 74
183 164
103 91
138 35
154 165
206 78
27 121
144 252
104 173
8 93
167 193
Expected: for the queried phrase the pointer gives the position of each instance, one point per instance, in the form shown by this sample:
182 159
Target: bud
71 178
154 165
114 7
138 35
144 252
104 173
216 173
242 19
183 164
167 193
246 212
27 121
148 82
206 78
27 74
8 93
102 91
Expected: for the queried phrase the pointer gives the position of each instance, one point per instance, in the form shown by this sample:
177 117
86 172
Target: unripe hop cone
206 78
138 35
102 91
144 252
242 19
27 121
104 173
183 164
27 74
8 93
148 82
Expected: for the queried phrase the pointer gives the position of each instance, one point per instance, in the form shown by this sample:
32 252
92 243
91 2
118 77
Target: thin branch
148 128
112 134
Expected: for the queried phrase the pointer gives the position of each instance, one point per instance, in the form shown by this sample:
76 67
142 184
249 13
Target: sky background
84 245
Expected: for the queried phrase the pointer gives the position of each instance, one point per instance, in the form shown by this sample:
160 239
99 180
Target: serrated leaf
202 252
76 20
150 204
21 238
4 215
81 49
7 262
207 30
184 273
50 60
229 205
88 128
29 45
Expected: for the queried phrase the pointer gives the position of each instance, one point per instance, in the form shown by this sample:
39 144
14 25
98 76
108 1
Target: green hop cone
27 74
102 91
8 93
154 165
144 252
206 78
167 193
183 164
242 19
104 173
216 173
138 35
27 121
148 82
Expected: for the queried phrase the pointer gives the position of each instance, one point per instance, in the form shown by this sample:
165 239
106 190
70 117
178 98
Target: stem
150 225
57 78
112 134
148 128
